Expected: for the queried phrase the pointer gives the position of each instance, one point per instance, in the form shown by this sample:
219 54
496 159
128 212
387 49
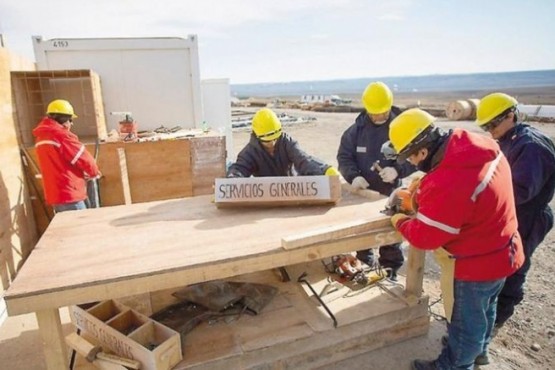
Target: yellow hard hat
60 106
377 98
493 105
266 125
406 128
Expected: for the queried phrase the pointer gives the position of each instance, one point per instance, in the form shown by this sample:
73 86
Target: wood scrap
95 355
334 232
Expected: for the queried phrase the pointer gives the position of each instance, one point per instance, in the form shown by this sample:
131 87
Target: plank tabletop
94 247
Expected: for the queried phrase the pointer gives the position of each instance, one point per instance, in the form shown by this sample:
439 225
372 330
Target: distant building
323 99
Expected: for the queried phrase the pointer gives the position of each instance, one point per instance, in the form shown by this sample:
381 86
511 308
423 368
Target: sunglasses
266 135
493 123
496 121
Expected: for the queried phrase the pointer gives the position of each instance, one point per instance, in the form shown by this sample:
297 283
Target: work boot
423 365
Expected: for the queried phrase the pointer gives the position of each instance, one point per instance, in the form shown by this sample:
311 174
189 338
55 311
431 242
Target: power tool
402 200
349 267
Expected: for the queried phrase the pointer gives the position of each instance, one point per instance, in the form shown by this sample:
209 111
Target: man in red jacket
466 212
64 162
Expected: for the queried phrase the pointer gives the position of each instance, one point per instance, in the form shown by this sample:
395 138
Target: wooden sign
277 191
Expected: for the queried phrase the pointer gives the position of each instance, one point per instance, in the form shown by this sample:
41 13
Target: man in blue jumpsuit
360 150
531 155
271 152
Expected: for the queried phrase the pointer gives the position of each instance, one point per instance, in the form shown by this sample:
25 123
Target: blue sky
254 41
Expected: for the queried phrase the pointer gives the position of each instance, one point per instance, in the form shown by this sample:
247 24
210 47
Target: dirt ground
527 341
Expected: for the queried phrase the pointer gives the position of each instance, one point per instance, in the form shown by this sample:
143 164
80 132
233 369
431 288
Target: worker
271 152
64 162
466 213
360 150
531 155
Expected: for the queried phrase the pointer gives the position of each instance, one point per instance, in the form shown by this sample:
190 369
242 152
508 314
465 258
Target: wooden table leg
415 272
55 350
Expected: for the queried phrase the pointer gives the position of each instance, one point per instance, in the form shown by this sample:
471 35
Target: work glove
331 171
360 182
231 175
397 219
388 174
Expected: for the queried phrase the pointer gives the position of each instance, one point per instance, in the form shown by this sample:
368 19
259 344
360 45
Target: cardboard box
129 334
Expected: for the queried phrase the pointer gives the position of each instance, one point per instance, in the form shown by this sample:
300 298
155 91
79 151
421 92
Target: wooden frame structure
33 90
106 253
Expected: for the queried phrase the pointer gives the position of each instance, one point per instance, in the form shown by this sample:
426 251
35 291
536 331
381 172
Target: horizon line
390 77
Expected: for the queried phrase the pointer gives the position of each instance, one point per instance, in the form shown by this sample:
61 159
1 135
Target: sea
401 84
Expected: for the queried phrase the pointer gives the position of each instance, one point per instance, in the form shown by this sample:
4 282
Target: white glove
360 182
388 174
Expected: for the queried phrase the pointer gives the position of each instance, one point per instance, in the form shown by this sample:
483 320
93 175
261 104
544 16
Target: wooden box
33 90
129 334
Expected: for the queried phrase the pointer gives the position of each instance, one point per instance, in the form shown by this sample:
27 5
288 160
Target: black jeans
390 256
513 290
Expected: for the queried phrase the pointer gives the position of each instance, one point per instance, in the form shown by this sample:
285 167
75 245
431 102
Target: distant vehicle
323 99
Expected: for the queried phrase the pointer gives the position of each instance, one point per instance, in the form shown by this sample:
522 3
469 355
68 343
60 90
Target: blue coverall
360 147
288 160
531 155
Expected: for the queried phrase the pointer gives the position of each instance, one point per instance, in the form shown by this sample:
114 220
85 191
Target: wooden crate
33 90
129 334
158 170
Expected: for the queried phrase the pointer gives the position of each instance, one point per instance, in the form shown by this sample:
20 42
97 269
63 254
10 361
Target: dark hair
60 118
423 140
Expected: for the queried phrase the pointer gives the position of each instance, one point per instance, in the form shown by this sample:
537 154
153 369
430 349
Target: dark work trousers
390 256
513 290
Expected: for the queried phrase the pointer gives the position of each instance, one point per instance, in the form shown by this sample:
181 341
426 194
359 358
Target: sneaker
423 365
482 359
496 329
392 274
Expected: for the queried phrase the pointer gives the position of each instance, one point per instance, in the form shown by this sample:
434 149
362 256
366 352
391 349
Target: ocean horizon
401 84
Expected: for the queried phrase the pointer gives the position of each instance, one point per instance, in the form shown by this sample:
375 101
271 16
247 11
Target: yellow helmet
265 125
493 105
377 98
406 128
60 106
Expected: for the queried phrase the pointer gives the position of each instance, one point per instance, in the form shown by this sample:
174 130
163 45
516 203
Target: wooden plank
283 337
87 349
207 163
55 350
124 176
151 246
415 272
164 279
334 232
18 233
158 170
264 191
366 193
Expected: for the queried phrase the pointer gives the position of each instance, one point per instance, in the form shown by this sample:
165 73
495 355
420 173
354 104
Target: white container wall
537 110
216 101
156 79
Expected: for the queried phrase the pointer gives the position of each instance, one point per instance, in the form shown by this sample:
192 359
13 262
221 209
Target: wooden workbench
119 251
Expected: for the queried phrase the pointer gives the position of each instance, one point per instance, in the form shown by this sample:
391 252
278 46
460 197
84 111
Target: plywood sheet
128 250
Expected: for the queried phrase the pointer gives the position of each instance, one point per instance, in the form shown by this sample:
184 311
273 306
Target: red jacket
64 163
466 205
